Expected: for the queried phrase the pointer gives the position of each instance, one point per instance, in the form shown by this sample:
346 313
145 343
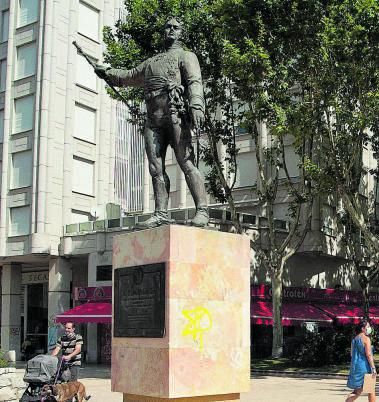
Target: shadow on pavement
95 371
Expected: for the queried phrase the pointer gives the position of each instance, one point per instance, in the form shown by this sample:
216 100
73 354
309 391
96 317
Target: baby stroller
41 370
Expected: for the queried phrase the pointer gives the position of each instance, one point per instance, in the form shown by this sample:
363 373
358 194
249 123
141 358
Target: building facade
57 150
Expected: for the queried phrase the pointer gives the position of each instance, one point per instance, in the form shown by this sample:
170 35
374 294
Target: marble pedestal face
205 353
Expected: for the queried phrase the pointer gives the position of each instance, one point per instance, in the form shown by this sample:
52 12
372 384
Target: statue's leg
185 156
156 147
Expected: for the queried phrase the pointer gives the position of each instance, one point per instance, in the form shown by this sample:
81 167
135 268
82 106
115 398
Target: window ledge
87 195
89 38
94 91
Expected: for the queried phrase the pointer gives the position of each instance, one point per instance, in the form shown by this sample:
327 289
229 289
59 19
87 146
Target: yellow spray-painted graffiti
199 321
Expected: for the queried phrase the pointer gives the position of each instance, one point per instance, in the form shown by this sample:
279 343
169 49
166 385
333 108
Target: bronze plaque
139 301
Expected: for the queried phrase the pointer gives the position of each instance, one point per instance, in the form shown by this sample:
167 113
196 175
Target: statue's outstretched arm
122 78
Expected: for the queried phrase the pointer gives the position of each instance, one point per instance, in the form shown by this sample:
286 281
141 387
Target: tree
345 94
266 104
327 52
305 69
262 41
349 51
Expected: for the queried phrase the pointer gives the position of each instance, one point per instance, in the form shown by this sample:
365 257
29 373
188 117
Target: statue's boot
157 219
201 218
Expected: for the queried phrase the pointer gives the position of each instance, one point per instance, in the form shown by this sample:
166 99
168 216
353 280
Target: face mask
368 331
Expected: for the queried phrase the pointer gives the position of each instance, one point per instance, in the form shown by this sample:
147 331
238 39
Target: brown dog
65 391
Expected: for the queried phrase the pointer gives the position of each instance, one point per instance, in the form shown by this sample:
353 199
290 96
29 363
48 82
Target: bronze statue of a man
174 99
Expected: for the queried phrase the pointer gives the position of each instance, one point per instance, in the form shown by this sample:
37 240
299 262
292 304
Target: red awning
348 314
292 314
88 312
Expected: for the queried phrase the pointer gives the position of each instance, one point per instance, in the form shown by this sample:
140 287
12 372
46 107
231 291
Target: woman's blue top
359 364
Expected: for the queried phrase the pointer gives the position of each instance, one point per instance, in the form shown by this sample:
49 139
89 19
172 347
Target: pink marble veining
206 348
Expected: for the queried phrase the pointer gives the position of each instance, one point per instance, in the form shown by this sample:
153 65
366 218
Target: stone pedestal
204 355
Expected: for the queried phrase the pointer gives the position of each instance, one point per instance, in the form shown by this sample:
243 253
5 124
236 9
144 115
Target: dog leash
58 372
55 379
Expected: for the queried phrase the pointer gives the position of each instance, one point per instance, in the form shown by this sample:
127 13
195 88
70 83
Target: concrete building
57 149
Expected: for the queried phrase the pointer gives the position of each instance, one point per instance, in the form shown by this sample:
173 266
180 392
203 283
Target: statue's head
172 31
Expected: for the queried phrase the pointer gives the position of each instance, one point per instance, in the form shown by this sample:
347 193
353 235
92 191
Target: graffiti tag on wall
199 321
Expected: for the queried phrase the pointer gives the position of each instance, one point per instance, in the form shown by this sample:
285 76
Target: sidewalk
264 388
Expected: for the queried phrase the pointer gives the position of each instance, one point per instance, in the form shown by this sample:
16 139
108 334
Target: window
23 114
85 75
246 169
84 123
3 74
104 273
88 24
204 169
2 125
4 25
239 110
27 12
26 60
292 163
20 221
172 171
21 169
82 178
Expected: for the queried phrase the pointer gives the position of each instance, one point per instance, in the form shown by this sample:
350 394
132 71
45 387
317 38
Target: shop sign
29 278
93 293
314 295
311 326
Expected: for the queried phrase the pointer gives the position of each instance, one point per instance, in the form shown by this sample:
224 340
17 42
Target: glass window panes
292 162
104 273
23 114
26 60
82 178
4 25
88 23
21 169
172 171
84 74
2 125
27 12
3 74
246 169
19 221
84 123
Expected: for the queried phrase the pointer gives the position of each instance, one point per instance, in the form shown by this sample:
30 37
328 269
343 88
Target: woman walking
362 361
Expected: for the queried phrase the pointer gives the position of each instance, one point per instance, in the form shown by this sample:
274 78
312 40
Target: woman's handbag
369 384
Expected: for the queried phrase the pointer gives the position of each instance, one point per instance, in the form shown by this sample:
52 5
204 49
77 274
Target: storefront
305 309
34 311
93 305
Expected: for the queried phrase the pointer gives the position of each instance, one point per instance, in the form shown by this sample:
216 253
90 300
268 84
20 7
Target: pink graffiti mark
138 248
116 248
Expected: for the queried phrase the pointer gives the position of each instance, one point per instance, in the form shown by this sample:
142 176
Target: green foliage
3 362
328 347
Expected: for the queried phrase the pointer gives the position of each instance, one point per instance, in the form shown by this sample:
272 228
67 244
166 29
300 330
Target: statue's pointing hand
197 118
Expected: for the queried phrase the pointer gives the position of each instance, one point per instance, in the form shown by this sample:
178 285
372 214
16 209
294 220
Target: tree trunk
277 327
366 303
